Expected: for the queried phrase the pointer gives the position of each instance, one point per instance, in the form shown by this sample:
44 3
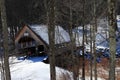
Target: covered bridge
34 39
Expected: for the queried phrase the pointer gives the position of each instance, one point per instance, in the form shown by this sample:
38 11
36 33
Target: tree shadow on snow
33 59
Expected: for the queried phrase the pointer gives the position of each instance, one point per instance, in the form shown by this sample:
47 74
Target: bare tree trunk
1 56
51 33
2 69
86 37
95 55
77 39
72 45
5 40
83 52
112 36
94 39
91 46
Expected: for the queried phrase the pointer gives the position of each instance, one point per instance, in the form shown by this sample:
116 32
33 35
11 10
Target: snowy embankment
34 69
30 70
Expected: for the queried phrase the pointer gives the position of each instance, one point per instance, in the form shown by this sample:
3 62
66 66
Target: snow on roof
78 34
118 24
102 47
61 35
118 17
101 37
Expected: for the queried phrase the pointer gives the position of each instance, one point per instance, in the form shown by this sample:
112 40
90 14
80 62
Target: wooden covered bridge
33 39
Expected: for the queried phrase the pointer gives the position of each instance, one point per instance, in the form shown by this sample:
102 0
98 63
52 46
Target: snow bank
30 70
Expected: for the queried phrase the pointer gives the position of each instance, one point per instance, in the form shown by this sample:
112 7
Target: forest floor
102 68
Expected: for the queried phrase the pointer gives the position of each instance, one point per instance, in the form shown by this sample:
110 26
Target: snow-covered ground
34 69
